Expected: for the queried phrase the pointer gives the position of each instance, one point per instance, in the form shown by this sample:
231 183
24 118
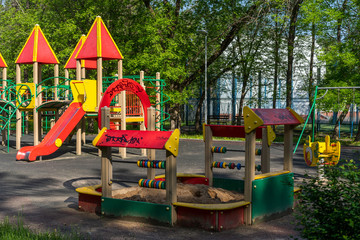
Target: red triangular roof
71 62
37 49
99 43
2 62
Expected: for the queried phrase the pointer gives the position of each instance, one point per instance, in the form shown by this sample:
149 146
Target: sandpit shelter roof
37 49
2 62
71 62
99 43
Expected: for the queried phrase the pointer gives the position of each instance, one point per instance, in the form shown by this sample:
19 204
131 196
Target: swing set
313 109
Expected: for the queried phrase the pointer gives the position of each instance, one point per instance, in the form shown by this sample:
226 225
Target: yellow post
35 113
3 96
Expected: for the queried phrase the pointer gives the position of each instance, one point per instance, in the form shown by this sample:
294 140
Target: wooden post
106 161
67 83
151 152
78 126
83 125
3 96
250 141
157 102
37 97
122 151
4 83
209 156
18 112
40 128
142 124
171 183
56 81
265 152
288 147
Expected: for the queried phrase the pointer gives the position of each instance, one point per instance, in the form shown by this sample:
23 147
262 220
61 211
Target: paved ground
43 192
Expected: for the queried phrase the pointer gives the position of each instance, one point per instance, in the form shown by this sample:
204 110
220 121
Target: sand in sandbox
188 193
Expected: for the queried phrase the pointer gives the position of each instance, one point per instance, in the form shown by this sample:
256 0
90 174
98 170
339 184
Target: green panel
229 184
127 208
272 195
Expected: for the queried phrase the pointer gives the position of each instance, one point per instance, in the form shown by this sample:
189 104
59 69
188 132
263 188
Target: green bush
329 207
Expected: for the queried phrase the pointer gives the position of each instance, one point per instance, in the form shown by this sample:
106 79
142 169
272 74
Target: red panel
232 131
276 116
27 53
71 63
2 62
89 49
124 85
134 139
45 54
231 218
194 180
109 49
191 217
90 203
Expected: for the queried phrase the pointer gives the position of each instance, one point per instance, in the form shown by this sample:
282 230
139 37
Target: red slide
62 128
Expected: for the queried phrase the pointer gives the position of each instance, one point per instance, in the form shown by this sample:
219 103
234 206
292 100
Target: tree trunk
291 45
175 117
242 97
197 115
311 74
276 64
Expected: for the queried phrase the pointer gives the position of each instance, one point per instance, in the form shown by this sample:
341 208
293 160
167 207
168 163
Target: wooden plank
249 172
171 183
231 131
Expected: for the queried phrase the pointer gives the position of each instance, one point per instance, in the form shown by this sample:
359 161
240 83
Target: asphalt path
42 193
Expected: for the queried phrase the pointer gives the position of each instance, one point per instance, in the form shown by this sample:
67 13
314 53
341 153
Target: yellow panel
215 207
134 119
90 95
271 174
172 144
251 120
271 135
78 90
96 139
90 190
21 89
297 116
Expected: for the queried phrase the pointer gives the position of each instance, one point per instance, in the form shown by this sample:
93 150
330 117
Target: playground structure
265 194
31 101
321 152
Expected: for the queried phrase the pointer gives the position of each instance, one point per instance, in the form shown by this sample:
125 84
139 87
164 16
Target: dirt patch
188 193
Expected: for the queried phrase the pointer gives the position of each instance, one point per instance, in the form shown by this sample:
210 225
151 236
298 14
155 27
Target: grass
10 231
